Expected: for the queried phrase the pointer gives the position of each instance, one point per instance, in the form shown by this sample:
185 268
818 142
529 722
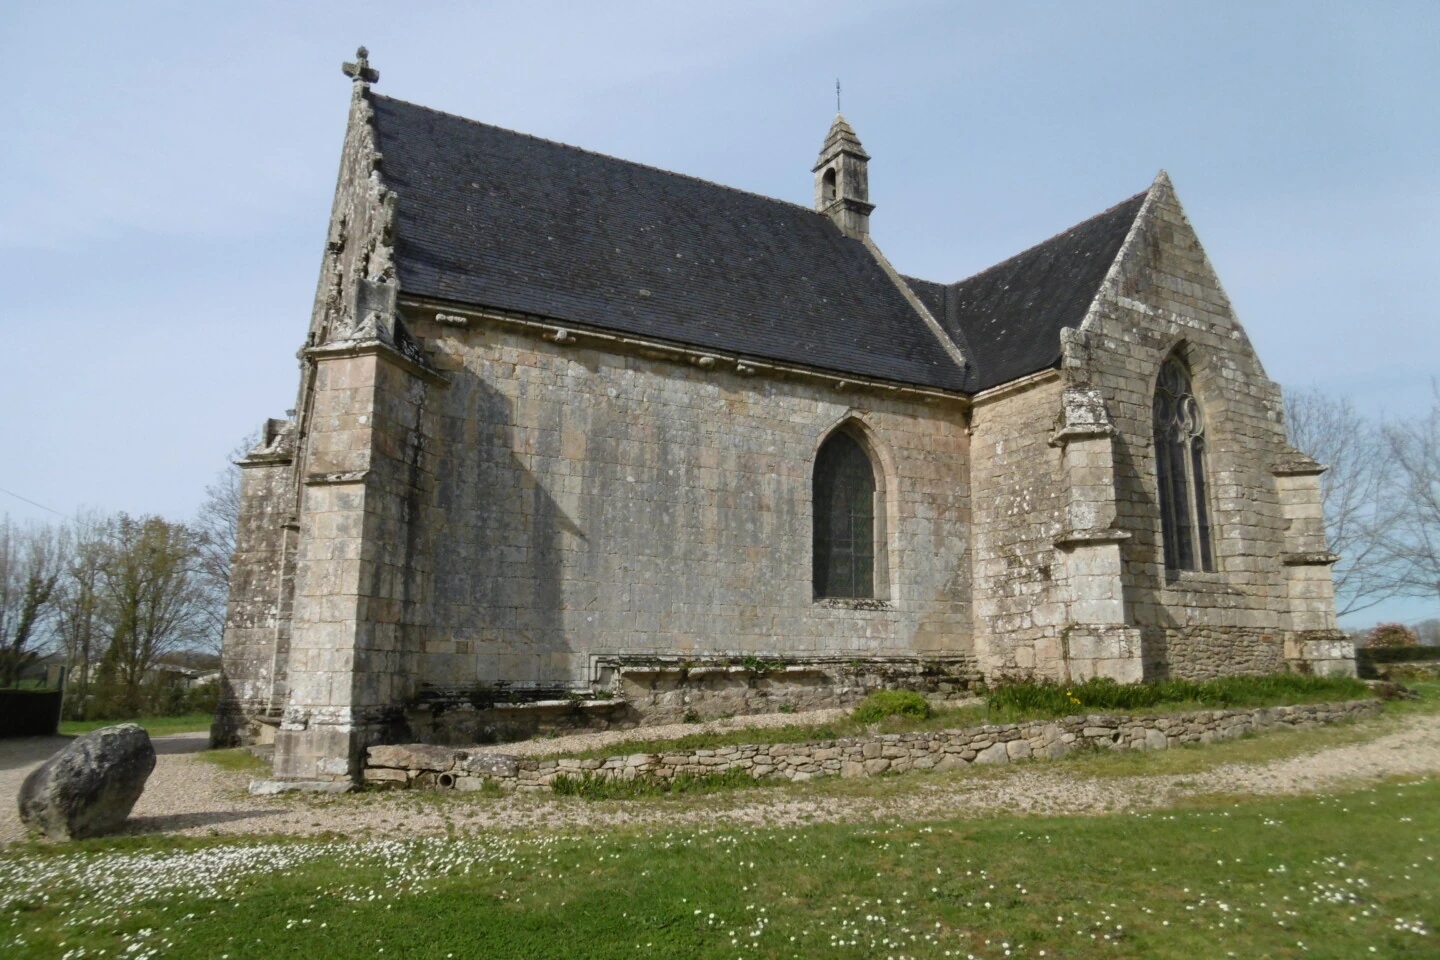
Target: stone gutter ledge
560 704
474 768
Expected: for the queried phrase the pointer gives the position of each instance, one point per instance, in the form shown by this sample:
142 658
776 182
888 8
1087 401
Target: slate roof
494 218
1007 318
490 217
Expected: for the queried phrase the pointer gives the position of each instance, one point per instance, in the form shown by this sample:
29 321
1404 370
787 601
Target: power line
33 503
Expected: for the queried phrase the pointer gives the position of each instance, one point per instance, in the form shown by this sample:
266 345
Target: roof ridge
1070 229
603 156
932 323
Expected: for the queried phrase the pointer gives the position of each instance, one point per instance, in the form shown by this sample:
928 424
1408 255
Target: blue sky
168 171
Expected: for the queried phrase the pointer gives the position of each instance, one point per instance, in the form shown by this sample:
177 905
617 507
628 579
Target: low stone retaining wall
665 692
424 765
647 691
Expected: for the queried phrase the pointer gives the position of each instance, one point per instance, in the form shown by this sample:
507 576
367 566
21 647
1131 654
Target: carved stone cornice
1293 463
338 477
1070 539
374 348
1319 558
1083 416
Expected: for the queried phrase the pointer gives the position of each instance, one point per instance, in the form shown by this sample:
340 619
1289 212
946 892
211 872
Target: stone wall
594 502
362 570
420 765
1019 497
668 692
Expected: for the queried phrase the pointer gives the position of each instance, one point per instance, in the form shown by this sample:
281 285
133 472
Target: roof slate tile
489 217
1008 317
494 218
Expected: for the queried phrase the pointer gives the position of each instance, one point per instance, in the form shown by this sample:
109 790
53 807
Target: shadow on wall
496 544
1141 592
229 725
1170 647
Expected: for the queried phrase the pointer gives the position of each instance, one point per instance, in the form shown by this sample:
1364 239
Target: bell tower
842 181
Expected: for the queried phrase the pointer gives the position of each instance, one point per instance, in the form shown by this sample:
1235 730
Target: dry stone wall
422 765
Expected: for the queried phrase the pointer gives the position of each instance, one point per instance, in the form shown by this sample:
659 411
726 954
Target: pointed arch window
1180 465
845 520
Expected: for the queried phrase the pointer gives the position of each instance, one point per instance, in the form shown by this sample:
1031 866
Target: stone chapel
580 442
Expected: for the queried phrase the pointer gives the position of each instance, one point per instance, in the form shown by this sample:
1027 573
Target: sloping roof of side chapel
493 218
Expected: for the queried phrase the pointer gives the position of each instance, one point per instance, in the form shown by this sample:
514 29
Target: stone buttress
1097 639
356 479
1314 641
257 624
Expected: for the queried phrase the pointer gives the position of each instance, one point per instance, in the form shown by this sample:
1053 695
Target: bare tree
1414 460
79 615
216 525
1357 522
30 565
154 601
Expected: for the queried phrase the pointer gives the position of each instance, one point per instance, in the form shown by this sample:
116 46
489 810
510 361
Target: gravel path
187 795
180 782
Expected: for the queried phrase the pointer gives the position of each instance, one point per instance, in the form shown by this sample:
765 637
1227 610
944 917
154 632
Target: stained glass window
1180 468
844 490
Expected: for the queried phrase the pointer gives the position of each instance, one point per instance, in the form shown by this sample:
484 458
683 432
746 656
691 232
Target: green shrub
1396 654
111 701
1392 635
891 703
588 787
1049 698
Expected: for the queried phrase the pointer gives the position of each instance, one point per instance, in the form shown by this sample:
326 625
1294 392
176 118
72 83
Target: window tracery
1180 450
844 490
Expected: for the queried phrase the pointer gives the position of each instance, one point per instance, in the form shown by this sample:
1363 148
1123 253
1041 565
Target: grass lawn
156 726
236 760
1331 876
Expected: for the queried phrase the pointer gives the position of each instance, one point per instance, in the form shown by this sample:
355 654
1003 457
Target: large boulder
88 788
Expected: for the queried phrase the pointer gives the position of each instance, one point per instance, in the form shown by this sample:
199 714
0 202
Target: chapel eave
446 313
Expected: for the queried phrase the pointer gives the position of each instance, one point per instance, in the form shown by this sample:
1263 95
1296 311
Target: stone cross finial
360 71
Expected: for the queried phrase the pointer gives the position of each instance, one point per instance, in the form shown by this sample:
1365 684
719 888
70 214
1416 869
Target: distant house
43 670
